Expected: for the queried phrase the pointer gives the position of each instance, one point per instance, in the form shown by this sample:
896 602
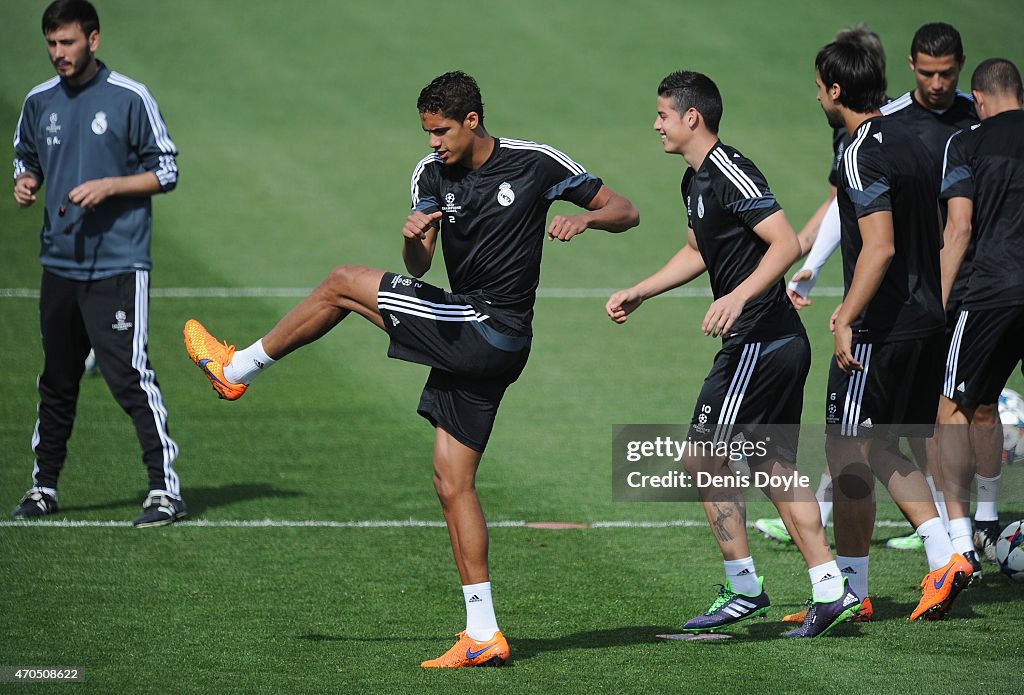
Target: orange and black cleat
940 588
212 356
468 652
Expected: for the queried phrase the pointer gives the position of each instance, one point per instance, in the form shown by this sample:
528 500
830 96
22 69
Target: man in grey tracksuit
98 141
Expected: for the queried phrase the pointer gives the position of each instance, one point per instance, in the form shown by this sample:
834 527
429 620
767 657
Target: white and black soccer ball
1011 415
1010 550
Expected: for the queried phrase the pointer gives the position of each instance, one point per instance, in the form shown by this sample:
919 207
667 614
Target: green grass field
298 132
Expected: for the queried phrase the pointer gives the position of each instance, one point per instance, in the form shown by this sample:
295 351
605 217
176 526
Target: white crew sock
826 582
988 491
742 576
960 535
480 621
940 501
936 543
51 491
247 364
855 569
824 496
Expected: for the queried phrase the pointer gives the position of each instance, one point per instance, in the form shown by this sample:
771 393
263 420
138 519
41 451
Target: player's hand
798 300
842 334
418 223
565 227
722 314
622 304
91 193
25 188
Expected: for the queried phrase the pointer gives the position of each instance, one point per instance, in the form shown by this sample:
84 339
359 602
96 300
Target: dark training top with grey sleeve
110 126
492 228
887 168
725 199
985 163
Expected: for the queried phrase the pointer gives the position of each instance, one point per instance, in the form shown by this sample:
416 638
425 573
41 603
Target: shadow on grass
200 499
524 648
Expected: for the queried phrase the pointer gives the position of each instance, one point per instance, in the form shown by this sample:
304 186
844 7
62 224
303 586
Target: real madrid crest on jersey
506 196
99 123
700 207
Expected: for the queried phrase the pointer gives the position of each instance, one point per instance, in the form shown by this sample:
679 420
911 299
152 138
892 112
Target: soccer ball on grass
1010 550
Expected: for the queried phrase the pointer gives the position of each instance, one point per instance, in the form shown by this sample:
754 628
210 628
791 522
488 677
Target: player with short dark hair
98 140
488 198
883 380
739 234
983 180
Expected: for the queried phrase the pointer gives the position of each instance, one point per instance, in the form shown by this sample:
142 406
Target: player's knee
449 489
342 280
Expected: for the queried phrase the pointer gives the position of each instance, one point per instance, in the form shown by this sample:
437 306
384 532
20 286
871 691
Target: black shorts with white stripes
756 389
895 395
472 361
986 346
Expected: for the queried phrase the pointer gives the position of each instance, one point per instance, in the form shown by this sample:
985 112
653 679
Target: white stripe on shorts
953 356
737 389
414 306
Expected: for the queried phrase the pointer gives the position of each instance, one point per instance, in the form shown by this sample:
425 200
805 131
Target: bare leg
726 511
904 481
987 440
455 467
801 514
853 495
955 456
347 288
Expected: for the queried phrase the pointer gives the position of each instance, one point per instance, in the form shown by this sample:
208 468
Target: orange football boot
211 357
468 652
940 588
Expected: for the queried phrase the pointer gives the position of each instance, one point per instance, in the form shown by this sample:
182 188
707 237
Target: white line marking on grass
395 523
298 292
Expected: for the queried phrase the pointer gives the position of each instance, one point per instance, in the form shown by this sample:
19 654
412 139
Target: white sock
826 582
940 501
51 491
824 495
855 569
936 543
480 621
247 364
960 535
742 576
988 490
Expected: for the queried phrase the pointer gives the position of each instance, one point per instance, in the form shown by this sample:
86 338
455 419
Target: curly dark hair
453 95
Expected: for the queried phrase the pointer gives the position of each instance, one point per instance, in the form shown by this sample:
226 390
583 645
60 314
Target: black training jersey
840 141
725 199
986 164
886 167
934 129
492 228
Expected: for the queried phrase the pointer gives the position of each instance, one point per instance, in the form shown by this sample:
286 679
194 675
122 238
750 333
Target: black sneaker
729 608
986 533
35 504
972 557
822 617
160 509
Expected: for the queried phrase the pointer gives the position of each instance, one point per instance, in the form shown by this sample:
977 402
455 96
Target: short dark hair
61 12
453 95
689 89
937 39
860 33
997 76
855 69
